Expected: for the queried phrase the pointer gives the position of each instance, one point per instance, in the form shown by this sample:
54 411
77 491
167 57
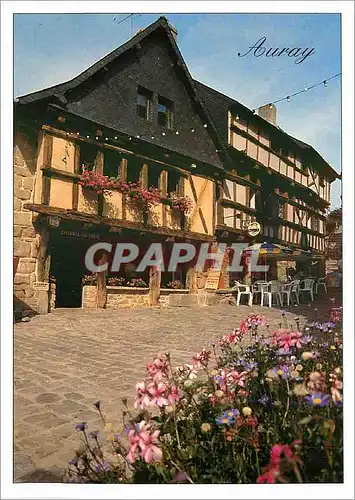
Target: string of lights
100 136
167 132
306 89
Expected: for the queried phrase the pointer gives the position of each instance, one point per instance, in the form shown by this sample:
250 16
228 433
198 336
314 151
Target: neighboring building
138 114
333 242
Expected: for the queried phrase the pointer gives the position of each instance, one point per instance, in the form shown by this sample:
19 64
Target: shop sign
253 228
80 234
212 280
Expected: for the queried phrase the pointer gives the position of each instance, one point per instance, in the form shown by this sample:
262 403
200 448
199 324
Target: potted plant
116 281
95 181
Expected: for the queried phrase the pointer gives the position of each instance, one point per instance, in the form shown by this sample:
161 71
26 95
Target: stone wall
126 297
25 237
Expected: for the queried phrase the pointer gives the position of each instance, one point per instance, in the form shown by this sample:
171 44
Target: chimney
268 112
173 31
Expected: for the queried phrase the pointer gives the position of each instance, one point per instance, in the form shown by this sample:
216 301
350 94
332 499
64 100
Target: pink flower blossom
278 454
144 443
201 359
157 391
297 339
173 394
159 368
143 398
237 378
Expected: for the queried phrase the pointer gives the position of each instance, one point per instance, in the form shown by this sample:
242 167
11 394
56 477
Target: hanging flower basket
143 198
181 204
101 184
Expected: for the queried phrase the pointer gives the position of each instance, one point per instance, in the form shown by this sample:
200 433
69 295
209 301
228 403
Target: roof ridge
107 58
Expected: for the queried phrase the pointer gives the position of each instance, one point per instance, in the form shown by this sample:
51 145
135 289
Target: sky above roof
52 48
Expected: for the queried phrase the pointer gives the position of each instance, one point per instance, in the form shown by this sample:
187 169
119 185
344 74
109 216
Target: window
165 112
88 153
153 175
259 202
144 102
315 223
134 167
112 163
275 145
173 182
280 209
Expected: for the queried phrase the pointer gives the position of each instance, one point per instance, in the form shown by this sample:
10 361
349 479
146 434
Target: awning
270 250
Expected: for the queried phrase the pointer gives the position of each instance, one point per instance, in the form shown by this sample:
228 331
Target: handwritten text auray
260 50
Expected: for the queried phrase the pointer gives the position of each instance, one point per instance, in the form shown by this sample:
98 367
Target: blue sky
52 48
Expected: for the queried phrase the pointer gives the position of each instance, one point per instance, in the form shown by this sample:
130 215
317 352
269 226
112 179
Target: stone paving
67 360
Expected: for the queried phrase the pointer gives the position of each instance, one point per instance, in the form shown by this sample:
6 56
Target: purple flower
81 427
117 437
282 352
73 461
94 434
264 399
107 466
318 399
227 417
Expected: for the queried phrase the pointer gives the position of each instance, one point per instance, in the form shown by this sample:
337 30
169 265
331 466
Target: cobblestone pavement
67 360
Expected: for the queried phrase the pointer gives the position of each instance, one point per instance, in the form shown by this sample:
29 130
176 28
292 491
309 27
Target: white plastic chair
286 289
307 286
272 288
321 282
242 289
295 289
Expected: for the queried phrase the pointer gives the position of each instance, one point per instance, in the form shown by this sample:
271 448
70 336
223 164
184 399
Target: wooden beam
143 176
43 255
191 279
163 186
101 290
77 171
154 286
106 221
47 161
123 178
62 133
123 170
99 162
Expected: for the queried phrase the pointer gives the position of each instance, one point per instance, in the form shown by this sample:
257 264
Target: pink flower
286 341
297 339
159 368
173 395
144 442
278 454
201 359
238 378
269 477
158 395
143 398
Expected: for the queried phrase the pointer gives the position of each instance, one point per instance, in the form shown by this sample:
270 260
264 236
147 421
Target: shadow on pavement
42 476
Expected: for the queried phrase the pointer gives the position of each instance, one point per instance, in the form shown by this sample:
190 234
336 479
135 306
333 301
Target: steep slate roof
58 91
219 104
61 88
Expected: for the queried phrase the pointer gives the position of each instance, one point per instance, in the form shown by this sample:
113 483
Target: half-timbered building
138 116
